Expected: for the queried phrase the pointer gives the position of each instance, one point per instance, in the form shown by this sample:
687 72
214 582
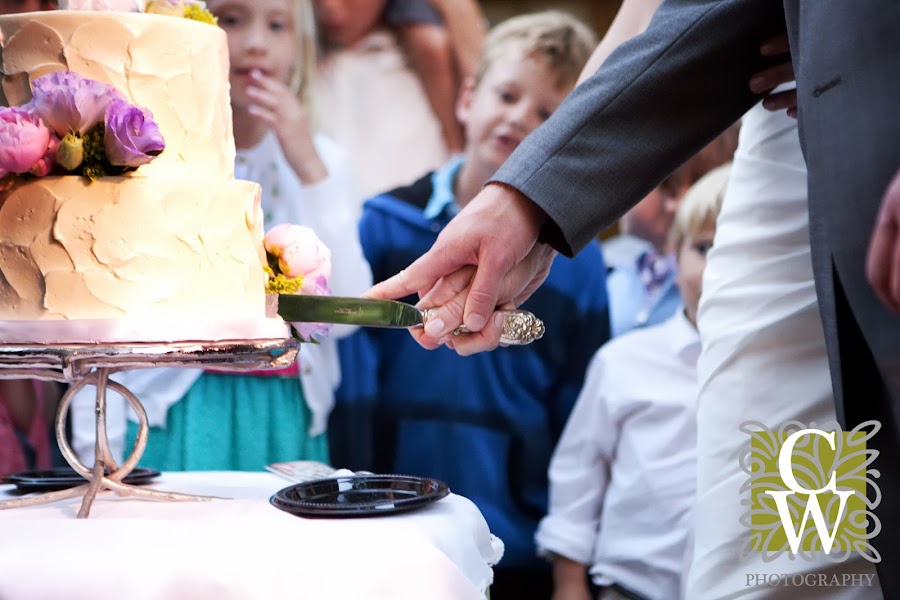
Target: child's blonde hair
558 39
700 206
304 70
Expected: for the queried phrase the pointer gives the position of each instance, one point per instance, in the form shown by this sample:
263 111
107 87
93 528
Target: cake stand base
91 365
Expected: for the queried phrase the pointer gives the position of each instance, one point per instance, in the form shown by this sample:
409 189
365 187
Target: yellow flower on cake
187 9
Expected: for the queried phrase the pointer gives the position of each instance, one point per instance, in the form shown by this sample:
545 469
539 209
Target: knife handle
520 327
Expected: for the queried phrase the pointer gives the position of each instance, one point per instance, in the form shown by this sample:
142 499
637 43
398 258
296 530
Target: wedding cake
170 249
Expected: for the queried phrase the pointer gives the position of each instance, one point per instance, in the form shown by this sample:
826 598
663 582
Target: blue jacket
485 424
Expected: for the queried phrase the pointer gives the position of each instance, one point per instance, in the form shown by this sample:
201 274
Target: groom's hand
485 258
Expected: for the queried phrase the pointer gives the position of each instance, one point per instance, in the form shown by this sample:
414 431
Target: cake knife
520 327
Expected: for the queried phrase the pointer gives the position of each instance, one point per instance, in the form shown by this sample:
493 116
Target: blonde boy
623 477
486 424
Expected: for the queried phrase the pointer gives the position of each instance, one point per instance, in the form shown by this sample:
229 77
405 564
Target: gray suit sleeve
657 100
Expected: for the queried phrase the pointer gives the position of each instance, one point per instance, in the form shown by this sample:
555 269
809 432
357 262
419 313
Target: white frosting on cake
176 68
178 239
131 247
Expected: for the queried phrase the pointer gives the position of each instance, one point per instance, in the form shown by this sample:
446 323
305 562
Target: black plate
51 480
359 495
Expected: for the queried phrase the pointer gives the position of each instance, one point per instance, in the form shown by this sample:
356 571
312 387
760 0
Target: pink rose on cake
300 253
46 163
74 125
299 263
26 144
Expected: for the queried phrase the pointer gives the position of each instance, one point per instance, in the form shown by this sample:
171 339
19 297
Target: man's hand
883 263
767 80
532 270
485 258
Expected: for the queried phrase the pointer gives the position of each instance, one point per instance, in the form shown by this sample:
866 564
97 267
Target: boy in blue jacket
485 424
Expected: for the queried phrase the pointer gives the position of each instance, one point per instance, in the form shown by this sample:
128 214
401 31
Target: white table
240 548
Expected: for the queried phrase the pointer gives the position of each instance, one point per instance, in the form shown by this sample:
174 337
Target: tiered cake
179 240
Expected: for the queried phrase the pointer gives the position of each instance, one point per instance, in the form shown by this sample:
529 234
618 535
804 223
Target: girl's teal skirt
233 422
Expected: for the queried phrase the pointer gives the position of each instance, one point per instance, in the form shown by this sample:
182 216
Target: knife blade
520 327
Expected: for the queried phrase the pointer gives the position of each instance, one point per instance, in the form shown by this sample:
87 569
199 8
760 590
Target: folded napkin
299 471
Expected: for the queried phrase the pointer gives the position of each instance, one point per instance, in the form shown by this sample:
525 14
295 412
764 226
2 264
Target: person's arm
632 18
431 54
569 580
883 262
656 101
445 54
467 25
579 474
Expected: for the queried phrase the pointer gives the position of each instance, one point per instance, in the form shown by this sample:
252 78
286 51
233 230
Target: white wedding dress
763 359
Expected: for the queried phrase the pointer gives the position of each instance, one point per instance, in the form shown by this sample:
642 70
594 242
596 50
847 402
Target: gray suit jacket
663 95
847 62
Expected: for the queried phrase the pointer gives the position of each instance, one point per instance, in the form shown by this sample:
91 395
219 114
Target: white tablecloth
240 548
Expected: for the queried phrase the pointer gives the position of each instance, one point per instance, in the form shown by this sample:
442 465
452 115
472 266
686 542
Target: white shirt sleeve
579 472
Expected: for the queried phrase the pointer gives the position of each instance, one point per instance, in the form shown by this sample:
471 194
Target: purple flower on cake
25 142
300 264
67 102
132 138
86 128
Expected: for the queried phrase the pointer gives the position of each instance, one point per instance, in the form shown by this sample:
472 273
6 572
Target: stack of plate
51 480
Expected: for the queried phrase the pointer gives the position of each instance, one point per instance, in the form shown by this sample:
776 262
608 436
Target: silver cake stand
91 364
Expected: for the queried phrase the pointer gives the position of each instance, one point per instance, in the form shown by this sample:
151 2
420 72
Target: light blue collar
443 200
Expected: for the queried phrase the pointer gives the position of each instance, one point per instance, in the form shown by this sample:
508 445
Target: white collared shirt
623 476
